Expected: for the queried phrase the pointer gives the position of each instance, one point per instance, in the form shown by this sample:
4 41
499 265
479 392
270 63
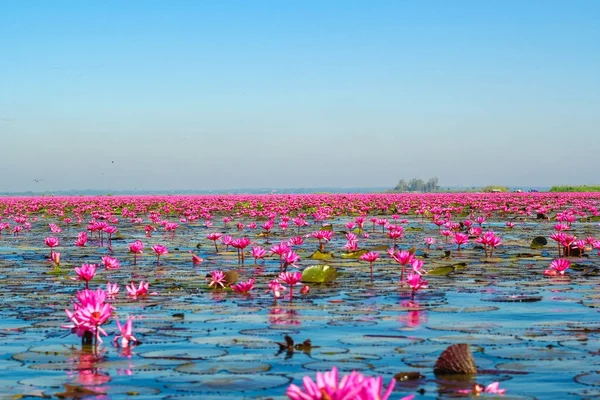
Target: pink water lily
143 289
371 257
217 279
243 287
159 250
126 334
354 386
85 273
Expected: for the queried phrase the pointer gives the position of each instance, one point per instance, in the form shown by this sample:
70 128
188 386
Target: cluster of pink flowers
490 241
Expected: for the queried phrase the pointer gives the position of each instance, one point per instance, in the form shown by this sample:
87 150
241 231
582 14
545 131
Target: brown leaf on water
408 376
77 392
456 359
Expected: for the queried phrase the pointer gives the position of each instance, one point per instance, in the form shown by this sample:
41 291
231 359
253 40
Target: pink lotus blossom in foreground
401 257
290 258
354 386
90 312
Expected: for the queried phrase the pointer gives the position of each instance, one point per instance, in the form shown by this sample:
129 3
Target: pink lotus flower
460 239
371 257
141 290
558 267
51 242
110 262
240 244
296 241
56 259
227 241
126 333
160 250
90 313
403 258
243 287
85 273
290 258
136 248
218 279
323 237
214 236
416 283
196 260
258 253
417 266
354 386
81 240
112 289
492 388
291 278
429 241
276 287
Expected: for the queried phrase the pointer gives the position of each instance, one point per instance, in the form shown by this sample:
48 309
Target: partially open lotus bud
456 359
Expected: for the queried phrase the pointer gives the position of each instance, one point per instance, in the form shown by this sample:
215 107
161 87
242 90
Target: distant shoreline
333 190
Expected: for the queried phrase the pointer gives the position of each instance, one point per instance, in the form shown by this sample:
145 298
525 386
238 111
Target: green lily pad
319 274
319 255
441 271
538 242
354 254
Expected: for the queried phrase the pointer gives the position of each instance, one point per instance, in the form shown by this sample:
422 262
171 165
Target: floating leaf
353 254
319 274
538 242
441 271
231 277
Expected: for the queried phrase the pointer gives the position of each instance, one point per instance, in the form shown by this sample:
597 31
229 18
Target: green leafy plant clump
579 188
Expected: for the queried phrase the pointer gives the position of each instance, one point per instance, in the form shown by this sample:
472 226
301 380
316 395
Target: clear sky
228 94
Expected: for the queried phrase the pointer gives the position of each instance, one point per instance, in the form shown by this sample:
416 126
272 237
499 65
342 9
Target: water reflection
282 316
415 315
85 371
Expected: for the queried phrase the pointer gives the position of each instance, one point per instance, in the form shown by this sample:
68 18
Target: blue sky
228 94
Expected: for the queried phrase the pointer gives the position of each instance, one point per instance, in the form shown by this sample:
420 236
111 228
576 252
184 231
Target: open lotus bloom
354 386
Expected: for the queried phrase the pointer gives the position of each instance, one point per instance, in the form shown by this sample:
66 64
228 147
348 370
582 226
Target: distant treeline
581 188
418 185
